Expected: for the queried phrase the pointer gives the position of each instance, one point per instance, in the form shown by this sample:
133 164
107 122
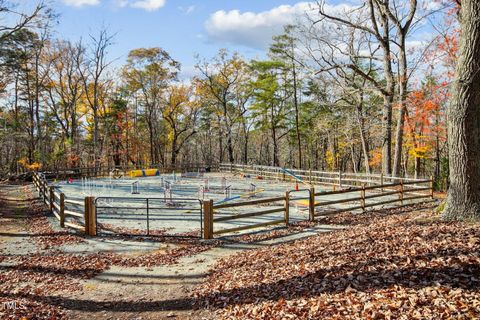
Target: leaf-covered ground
386 266
39 277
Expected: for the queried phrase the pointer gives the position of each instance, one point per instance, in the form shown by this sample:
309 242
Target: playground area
172 203
146 202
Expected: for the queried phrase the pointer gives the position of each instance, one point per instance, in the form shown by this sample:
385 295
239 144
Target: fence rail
341 179
357 200
56 201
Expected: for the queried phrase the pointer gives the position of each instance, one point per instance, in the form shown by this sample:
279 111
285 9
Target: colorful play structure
143 173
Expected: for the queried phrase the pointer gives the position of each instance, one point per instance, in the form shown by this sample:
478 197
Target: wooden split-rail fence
336 179
362 197
82 220
355 197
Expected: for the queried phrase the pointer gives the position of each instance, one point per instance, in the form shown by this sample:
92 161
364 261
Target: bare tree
65 89
374 20
402 21
92 70
348 57
22 20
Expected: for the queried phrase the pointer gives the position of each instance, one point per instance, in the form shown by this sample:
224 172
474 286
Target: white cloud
256 30
81 3
149 5
249 28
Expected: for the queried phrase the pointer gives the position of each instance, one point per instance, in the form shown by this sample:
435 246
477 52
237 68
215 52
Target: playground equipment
143 173
89 186
201 192
135 187
228 192
293 175
167 192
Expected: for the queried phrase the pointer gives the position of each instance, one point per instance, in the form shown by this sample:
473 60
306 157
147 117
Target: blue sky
182 27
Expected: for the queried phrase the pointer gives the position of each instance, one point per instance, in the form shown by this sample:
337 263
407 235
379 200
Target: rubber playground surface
170 204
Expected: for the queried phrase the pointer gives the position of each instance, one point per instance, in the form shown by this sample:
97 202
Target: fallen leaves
40 227
408 266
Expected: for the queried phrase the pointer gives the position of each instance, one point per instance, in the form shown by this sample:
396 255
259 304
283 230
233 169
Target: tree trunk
230 147
245 144
152 152
417 167
401 114
297 124
387 96
463 200
275 147
363 138
174 151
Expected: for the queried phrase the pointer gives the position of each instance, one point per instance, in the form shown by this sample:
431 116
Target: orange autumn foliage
424 119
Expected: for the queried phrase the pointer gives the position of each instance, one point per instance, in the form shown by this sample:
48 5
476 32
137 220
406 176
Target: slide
290 173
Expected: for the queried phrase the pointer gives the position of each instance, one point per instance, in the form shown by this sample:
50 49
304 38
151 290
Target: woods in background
341 90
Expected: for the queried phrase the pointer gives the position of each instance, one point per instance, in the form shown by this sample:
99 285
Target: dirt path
51 273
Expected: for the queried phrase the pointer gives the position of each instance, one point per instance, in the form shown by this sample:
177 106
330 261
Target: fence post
381 182
87 215
52 197
62 210
401 192
90 216
287 208
208 219
93 218
340 179
363 197
42 190
311 205
148 218
431 187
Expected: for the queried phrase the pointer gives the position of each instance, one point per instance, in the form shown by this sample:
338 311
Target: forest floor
388 264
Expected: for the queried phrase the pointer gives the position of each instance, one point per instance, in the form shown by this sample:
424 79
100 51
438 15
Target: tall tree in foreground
463 200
